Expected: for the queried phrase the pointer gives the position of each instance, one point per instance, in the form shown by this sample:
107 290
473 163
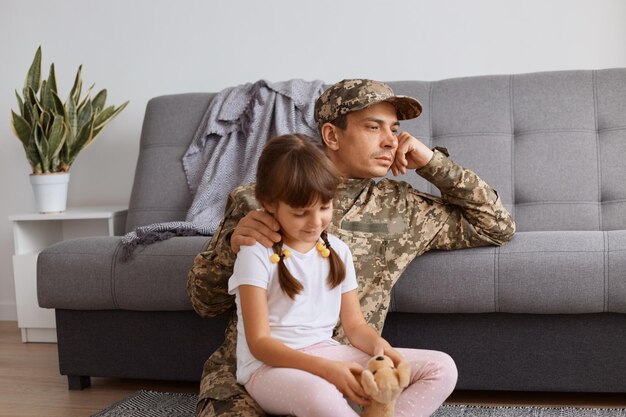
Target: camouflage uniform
386 224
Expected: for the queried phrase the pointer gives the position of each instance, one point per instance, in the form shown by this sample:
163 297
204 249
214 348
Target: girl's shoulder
256 250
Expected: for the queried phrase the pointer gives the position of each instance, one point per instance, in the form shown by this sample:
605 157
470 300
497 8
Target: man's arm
207 281
471 211
476 216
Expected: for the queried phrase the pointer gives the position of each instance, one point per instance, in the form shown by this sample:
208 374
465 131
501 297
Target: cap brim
406 107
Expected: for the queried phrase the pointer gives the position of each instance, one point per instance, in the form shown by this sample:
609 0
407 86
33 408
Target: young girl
289 298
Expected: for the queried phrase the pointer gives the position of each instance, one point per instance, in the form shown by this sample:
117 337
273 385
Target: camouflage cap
351 95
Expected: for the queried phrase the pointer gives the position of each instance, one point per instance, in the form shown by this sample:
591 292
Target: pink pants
287 391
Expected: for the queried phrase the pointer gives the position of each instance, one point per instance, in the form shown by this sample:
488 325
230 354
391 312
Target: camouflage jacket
386 224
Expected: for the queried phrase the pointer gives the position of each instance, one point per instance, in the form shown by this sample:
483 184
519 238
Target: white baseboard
8 312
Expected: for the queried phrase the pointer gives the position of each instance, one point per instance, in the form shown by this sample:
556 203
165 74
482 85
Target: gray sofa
544 312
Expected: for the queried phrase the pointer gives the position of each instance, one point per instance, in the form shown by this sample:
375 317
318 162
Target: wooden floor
31 386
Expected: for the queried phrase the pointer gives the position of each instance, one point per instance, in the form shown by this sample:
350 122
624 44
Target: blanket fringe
148 238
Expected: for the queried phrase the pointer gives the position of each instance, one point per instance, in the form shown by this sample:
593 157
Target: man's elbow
505 232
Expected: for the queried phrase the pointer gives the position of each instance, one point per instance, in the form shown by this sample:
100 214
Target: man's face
367 147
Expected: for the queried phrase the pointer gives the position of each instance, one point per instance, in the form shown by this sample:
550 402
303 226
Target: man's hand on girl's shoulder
256 226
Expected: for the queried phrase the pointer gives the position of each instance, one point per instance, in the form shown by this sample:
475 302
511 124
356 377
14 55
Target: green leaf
28 112
20 102
58 104
47 100
99 100
56 138
21 128
104 115
67 146
46 121
32 154
107 115
42 148
71 116
84 114
35 113
33 77
52 79
99 126
78 85
85 99
32 98
84 138
41 91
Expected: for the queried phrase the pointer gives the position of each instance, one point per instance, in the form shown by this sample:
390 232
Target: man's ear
329 136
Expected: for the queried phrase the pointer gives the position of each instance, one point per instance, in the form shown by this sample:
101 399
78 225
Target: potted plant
53 133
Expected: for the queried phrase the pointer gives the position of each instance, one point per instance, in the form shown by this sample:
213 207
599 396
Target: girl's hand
395 356
346 377
384 348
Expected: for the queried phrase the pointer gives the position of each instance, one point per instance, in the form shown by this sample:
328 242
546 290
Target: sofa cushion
535 273
88 274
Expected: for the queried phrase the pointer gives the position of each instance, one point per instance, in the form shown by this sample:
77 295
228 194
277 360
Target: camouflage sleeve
207 281
475 214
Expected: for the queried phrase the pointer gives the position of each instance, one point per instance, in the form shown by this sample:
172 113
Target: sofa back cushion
553 144
160 192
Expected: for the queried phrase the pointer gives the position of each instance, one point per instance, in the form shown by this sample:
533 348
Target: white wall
138 49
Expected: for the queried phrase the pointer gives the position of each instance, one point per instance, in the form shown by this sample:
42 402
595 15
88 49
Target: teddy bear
384 382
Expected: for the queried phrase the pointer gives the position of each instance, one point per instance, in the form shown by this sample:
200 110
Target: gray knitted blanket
226 148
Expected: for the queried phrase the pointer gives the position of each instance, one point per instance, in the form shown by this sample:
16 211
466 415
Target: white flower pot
50 191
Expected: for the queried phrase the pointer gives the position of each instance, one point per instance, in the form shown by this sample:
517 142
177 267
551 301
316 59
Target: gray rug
153 404
484 411
164 404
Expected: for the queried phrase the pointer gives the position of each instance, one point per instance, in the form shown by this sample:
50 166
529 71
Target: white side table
33 232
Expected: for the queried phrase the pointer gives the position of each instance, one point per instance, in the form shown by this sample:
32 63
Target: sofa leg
78 382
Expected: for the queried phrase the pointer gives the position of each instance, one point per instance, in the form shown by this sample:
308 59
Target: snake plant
53 132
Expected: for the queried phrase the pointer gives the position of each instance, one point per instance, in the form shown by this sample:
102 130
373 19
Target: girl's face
302 227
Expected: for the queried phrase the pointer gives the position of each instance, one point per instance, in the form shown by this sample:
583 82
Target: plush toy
384 382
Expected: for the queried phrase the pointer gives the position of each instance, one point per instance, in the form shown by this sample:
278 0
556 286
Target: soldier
386 224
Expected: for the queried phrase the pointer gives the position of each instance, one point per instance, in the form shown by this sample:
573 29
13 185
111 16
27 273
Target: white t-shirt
305 321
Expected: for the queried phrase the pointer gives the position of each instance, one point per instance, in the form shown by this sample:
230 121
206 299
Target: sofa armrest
88 274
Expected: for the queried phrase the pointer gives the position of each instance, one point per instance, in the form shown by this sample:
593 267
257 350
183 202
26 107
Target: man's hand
411 154
256 226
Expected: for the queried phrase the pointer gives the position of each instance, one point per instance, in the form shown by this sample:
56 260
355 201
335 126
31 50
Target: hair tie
275 257
323 249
